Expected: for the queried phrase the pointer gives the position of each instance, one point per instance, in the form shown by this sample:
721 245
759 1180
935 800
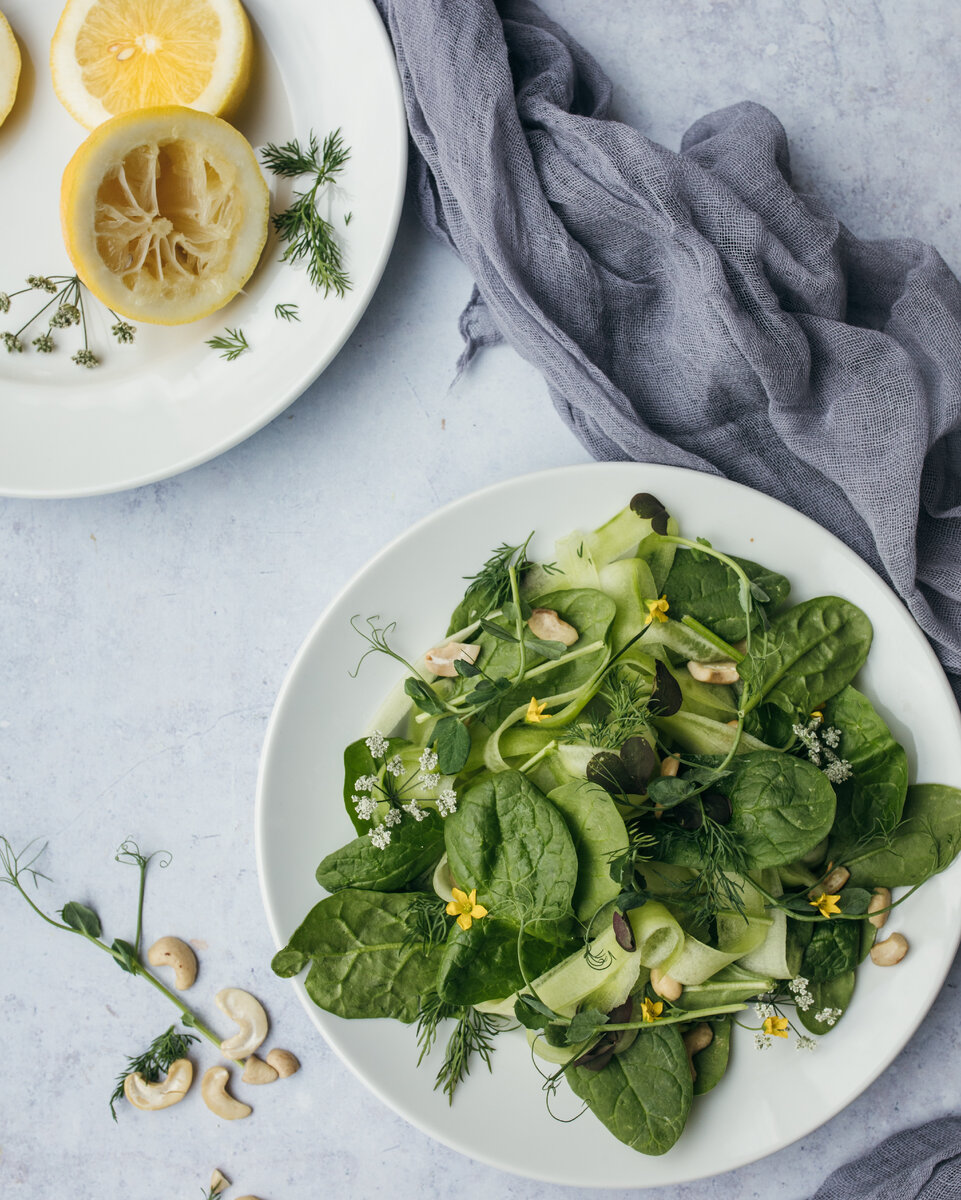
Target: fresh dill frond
427 923
154 1062
286 312
720 856
473 1034
625 712
231 344
307 234
490 588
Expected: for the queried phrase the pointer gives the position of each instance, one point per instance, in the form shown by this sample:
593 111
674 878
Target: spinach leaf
481 963
808 654
507 840
781 806
708 590
831 993
925 842
711 1062
873 798
358 761
599 834
452 739
414 846
362 961
833 950
643 1096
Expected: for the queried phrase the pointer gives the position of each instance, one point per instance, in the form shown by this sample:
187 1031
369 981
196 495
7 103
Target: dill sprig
490 588
720 855
231 344
286 312
620 711
473 1034
154 1062
307 234
427 923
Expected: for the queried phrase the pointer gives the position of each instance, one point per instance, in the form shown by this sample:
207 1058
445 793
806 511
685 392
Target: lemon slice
164 213
112 56
9 68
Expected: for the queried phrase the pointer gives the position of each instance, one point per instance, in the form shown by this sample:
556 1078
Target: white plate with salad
657 865
169 400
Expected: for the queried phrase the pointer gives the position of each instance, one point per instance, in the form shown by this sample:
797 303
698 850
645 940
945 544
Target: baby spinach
830 993
711 1062
708 590
363 962
414 846
481 963
926 841
452 741
507 840
807 655
598 833
833 950
643 1096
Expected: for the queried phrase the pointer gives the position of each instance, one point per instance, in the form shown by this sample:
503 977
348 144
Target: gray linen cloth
694 309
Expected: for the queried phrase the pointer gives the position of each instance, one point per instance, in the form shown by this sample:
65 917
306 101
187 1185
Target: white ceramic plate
300 818
169 402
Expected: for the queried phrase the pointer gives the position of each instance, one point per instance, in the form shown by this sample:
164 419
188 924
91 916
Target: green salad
631 801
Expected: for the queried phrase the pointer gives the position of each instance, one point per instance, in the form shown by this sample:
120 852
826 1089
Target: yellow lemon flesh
112 56
9 68
164 214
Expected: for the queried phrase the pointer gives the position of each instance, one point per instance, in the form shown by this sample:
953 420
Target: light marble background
145 636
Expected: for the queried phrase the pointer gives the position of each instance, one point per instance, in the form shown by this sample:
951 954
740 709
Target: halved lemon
9 68
164 213
112 56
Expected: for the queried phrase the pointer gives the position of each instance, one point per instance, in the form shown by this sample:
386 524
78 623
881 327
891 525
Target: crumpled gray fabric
917 1164
692 308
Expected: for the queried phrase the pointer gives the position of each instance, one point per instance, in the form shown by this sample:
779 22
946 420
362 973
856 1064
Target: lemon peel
9 68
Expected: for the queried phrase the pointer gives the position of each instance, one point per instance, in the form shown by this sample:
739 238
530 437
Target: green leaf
362 961
711 1062
507 840
706 589
833 950
423 697
125 956
497 631
668 790
414 846
643 1096
547 649
287 963
81 918
926 841
831 993
599 834
452 741
480 963
585 1025
531 1013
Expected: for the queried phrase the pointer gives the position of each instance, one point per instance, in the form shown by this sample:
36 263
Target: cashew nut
546 624
151 1097
213 1088
443 879
218 1183
249 1014
696 1040
880 899
890 951
831 883
172 952
256 1071
284 1063
665 986
719 672
440 660
670 765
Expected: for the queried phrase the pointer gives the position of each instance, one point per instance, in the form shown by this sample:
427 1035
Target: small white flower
429 783
392 816
366 806
838 771
831 737
428 760
764 1011
415 810
377 744
828 1016
761 1042
395 766
366 783
803 1001
447 802
380 837
815 757
805 1043
798 984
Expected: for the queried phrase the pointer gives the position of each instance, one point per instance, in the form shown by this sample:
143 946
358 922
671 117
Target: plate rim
316 1015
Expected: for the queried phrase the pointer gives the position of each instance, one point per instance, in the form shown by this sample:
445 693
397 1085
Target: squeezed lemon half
112 56
9 68
164 213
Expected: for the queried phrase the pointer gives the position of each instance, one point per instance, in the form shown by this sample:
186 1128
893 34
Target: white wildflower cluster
800 990
761 1041
828 1016
805 1043
369 792
821 745
764 1011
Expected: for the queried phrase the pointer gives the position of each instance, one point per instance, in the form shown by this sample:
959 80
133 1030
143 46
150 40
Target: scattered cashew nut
719 672
665 986
880 899
151 1097
547 625
213 1088
696 1040
249 1014
670 766
440 660
890 951
284 1063
218 1183
257 1071
832 883
172 952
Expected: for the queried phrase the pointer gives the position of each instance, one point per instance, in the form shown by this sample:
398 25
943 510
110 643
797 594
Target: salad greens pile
634 795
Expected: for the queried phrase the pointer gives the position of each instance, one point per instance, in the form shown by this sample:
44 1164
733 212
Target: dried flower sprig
67 301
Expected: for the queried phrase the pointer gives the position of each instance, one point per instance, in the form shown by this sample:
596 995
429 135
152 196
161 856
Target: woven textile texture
918 1164
692 308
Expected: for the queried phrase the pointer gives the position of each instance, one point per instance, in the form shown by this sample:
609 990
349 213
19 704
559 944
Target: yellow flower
656 610
465 908
826 905
535 711
776 1027
818 715
651 1010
